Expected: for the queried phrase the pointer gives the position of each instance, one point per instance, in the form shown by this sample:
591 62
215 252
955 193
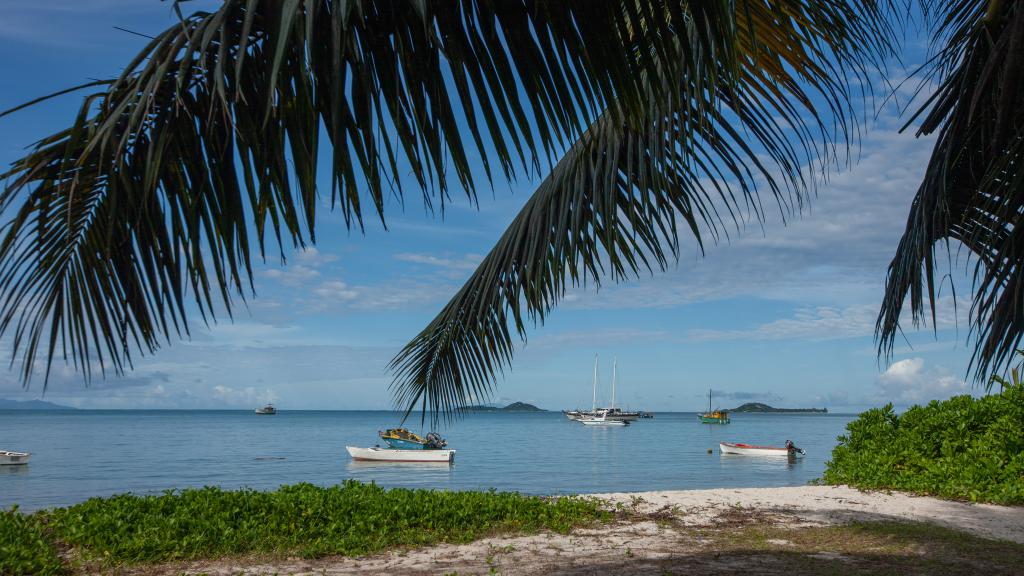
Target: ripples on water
80 454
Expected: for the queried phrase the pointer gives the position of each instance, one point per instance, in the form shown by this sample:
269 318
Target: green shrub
963 448
303 519
25 547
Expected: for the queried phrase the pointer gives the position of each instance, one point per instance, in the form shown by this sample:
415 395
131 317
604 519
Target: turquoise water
81 454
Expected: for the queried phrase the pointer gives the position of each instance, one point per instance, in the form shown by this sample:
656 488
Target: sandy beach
755 530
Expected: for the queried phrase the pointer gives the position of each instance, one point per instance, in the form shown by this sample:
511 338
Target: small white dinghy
8 458
789 450
395 455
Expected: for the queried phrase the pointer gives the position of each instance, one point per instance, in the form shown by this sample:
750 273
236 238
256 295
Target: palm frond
117 226
973 188
761 95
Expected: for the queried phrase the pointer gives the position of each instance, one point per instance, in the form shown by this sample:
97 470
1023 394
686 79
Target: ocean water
80 454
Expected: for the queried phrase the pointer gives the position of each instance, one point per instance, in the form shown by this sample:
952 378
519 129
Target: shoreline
723 530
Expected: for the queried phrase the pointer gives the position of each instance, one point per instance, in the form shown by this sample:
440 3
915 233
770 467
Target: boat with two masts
599 416
716 416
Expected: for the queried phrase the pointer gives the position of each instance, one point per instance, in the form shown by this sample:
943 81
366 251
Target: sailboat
610 416
714 416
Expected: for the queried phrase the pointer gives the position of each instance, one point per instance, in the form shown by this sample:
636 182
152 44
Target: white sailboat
611 416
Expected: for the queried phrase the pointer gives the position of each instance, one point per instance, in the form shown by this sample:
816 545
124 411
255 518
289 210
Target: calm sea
80 454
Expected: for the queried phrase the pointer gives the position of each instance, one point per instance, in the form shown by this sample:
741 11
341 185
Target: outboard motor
435 442
793 448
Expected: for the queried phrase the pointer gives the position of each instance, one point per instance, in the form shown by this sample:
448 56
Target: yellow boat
403 439
714 416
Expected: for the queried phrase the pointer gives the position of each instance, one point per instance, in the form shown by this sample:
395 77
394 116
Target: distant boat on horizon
267 410
8 458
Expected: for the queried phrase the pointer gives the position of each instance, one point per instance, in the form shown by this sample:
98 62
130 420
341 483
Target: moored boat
267 410
751 450
8 458
714 416
610 413
398 455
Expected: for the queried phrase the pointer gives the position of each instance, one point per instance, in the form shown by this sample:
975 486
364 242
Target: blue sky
780 314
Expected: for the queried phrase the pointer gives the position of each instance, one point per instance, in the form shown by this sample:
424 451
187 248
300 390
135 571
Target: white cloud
465 262
819 323
305 269
602 337
335 291
243 397
910 382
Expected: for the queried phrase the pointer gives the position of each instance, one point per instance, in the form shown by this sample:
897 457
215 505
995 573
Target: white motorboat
267 410
8 458
397 455
789 450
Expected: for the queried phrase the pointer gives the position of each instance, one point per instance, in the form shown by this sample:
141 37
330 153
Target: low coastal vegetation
963 448
301 520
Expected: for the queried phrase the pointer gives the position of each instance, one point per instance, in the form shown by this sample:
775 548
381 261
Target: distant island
31 405
758 407
513 407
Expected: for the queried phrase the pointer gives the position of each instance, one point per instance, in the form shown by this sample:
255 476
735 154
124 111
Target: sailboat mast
593 404
615 365
709 399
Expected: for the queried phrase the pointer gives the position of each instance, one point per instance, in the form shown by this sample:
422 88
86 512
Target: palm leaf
759 97
973 189
118 226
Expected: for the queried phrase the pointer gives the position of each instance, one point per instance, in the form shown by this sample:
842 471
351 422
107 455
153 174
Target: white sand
838 504
646 546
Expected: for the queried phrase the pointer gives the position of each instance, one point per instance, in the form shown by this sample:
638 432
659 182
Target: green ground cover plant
964 448
25 547
303 519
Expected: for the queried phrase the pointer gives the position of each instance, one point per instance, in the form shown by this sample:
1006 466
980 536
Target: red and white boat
788 450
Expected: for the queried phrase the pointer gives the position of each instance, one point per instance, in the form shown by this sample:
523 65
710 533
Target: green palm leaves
756 103
973 190
142 209
659 120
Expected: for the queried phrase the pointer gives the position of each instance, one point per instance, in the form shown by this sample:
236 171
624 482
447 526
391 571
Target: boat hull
14 458
393 455
750 450
714 420
602 422
606 413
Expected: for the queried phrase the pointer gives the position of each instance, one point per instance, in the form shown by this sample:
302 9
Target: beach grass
304 520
